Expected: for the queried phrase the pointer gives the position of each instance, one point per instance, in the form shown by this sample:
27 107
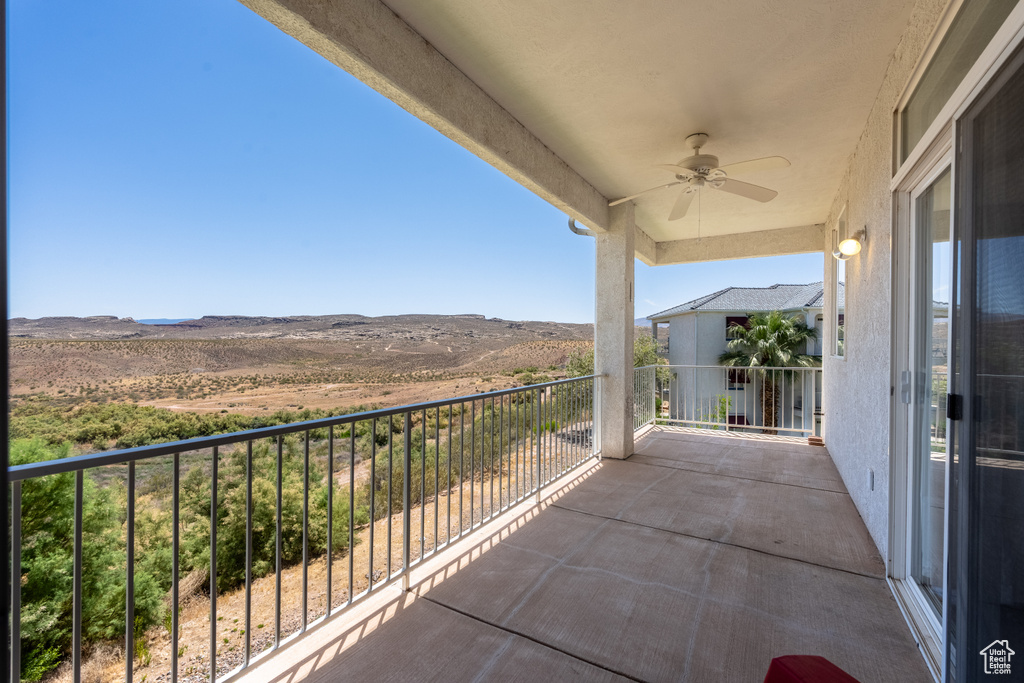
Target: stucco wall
680 350
710 337
857 388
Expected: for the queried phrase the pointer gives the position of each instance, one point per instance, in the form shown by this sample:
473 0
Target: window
967 36
738 376
839 292
735 321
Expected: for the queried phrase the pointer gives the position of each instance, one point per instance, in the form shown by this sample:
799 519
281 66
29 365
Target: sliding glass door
986 617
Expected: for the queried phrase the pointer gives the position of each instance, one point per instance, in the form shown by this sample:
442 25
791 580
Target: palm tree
770 340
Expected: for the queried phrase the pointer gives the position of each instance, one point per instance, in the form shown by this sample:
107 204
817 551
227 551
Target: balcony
701 557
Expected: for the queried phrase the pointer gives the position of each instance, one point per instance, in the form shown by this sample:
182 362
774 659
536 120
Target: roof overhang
579 100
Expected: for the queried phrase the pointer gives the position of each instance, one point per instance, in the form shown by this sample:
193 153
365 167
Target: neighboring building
698 335
697 330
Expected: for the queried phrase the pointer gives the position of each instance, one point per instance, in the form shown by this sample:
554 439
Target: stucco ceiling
615 87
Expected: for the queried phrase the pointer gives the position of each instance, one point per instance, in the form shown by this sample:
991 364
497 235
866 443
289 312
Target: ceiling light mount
696 141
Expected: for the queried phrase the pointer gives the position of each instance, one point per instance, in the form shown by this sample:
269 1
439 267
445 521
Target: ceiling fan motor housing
700 163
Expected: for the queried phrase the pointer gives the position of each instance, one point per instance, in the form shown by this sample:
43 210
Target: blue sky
177 158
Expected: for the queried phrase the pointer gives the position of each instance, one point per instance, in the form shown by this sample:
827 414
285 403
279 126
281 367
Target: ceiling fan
702 170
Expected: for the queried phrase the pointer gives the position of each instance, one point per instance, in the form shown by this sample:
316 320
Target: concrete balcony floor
698 559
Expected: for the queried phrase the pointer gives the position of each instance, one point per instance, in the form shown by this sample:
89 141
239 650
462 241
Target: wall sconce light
850 246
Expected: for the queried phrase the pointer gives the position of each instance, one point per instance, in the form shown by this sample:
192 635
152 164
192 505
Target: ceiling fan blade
634 196
765 164
681 205
756 192
678 170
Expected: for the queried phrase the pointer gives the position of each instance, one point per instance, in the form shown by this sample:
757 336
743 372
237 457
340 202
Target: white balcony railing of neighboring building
783 401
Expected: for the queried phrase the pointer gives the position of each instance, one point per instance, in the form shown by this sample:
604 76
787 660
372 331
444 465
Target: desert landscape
254 365
80 385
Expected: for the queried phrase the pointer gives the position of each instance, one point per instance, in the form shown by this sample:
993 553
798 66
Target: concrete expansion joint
733 476
530 638
720 542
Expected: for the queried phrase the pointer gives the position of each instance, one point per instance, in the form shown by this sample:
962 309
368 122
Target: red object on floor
806 669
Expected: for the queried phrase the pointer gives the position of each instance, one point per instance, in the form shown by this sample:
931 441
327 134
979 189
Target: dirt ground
259 401
258 377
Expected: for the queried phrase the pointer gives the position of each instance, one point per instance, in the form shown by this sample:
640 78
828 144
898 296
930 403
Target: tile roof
774 298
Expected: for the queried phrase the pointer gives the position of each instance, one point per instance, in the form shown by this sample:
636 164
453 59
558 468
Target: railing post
651 398
129 592
247 654
728 399
406 491
330 519
305 533
278 546
76 605
595 420
213 566
16 581
537 441
175 512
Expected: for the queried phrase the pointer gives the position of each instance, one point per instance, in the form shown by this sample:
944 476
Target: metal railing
442 468
784 401
644 390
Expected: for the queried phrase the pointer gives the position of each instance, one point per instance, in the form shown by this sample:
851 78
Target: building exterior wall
710 336
857 387
681 349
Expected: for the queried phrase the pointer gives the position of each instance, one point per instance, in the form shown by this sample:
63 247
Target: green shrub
47 563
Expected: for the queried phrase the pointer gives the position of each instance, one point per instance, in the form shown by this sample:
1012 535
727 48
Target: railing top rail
120 457
731 367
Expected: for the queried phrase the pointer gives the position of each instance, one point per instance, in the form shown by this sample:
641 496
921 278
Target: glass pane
840 308
841 234
930 365
968 35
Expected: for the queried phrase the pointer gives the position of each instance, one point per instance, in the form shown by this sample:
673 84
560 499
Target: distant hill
400 328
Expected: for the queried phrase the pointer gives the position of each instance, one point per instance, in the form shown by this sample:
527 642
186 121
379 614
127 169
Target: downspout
580 231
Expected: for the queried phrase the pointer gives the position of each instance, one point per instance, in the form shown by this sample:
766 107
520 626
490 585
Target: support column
613 332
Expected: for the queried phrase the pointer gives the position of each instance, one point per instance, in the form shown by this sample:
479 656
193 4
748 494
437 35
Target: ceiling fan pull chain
699 216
